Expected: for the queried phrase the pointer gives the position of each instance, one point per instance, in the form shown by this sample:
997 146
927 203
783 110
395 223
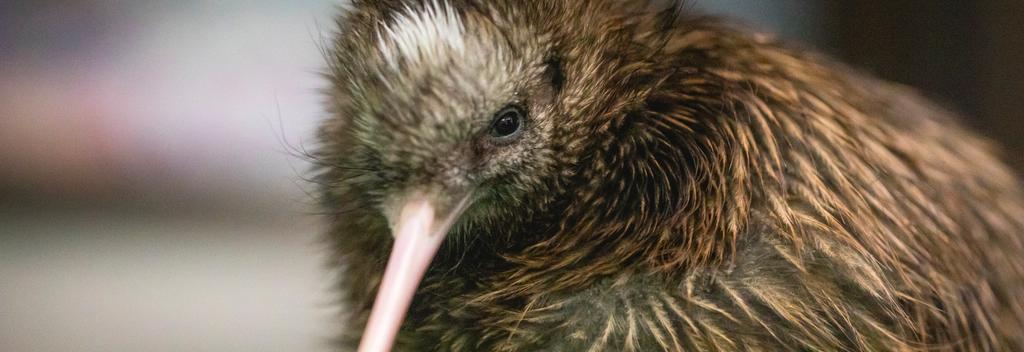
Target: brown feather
706 189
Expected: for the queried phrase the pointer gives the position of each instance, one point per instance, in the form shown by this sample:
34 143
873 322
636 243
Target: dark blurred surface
965 54
149 195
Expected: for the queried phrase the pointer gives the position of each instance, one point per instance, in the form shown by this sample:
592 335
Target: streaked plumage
682 185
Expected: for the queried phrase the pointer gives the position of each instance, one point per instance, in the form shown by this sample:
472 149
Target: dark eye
508 122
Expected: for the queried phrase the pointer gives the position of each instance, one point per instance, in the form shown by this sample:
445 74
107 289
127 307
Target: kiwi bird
609 175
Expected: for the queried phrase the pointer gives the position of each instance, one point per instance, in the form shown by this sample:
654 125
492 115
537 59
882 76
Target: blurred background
149 200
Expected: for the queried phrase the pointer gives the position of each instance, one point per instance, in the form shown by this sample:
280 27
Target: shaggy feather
692 186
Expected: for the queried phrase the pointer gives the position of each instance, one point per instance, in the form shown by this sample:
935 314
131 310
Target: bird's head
461 115
450 109
451 117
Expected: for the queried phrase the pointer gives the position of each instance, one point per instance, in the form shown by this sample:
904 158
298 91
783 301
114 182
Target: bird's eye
508 122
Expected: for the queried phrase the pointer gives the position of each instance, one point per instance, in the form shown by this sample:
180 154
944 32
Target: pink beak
418 232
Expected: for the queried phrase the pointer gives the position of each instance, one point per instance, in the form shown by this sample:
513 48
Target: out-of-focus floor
121 281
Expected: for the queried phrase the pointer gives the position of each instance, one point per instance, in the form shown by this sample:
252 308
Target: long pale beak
419 231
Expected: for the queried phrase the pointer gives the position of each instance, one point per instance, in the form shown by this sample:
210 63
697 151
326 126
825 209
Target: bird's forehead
435 63
419 35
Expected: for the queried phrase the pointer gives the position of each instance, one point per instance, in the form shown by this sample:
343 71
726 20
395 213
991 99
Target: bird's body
678 185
